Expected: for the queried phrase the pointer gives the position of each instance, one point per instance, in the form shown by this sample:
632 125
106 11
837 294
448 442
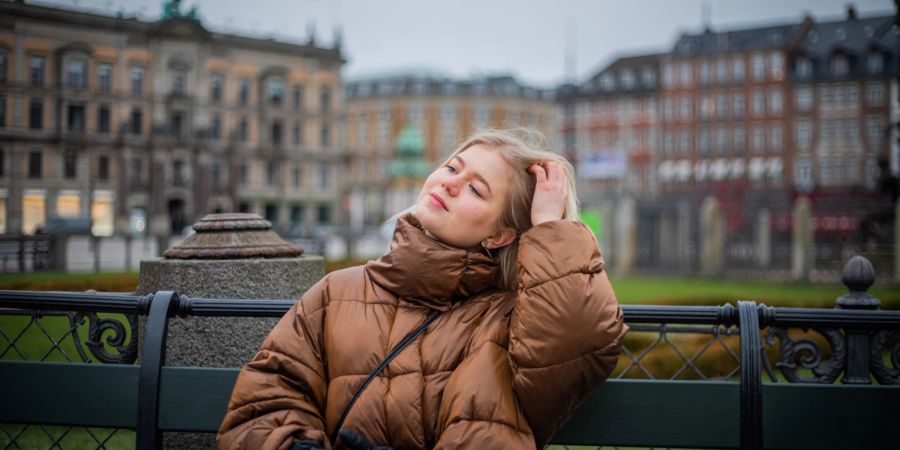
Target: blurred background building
151 125
745 121
736 136
400 127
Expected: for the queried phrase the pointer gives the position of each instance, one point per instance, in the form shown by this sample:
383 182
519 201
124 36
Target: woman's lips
437 200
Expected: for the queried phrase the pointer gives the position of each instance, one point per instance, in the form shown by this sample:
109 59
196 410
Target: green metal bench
152 398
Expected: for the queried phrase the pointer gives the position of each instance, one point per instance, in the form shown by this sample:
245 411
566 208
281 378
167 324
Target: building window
758 140
276 92
875 131
271 212
298 97
738 69
775 101
137 171
776 137
326 99
104 77
35 164
705 141
853 95
669 109
36 113
721 106
824 96
243 174
648 77
838 95
215 87
776 66
272 174
685 109
758 104
70 164
875 62
686 75
2 110
36 70
324 215
840 65
875 95
758 67
297 176
685 142
276 132
324 176
740 141
297 134
76 73
2 164
803 173
137 80
179 81
176 124
242 130
628 79
738 105
853 131
3 65
825 132
669 75
75 117
215 128
721 70
669 142
137 120
803 68
244 91
721 140
326 138
103 168
803 133
218 175
803 98
704 72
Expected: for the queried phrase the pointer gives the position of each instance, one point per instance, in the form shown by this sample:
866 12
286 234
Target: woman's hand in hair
549 202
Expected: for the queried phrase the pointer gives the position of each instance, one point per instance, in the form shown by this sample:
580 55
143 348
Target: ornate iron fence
855 343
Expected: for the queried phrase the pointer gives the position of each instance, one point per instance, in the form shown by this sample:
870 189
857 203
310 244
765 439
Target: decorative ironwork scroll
796 355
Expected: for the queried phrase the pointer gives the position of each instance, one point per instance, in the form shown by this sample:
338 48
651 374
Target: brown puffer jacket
496 370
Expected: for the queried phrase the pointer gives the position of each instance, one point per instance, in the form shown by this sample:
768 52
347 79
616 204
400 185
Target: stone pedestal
625 237
712 228
802 235
763 238
225 259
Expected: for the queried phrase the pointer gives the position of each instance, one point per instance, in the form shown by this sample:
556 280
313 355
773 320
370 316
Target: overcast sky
526 38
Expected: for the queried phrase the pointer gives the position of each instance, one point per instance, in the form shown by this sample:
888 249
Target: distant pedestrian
483 327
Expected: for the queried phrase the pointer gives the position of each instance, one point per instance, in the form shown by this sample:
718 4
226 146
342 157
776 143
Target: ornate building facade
148 126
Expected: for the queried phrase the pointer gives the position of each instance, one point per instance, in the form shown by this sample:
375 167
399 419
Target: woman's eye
451 169
472 187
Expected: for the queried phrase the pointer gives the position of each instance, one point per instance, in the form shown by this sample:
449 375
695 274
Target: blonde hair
520 148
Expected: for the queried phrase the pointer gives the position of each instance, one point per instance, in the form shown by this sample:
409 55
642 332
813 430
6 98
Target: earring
484 245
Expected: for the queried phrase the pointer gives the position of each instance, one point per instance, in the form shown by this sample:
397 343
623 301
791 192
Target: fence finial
858 276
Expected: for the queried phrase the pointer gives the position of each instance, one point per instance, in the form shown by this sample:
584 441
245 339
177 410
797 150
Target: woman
525 322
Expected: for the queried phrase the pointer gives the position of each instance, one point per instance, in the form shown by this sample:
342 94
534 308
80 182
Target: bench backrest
153 398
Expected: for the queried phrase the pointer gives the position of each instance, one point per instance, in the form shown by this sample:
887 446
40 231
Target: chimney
851 12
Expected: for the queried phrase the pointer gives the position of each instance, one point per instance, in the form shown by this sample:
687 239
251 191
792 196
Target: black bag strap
387 360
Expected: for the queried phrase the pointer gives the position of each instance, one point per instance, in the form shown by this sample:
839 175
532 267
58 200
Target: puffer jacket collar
422 270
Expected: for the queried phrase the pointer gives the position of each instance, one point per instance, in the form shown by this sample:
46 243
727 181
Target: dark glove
356 441
307 444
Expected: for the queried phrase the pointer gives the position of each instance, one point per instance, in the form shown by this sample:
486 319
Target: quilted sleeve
566 328
280 395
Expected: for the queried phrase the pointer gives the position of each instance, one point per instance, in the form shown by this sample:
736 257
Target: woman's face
461 202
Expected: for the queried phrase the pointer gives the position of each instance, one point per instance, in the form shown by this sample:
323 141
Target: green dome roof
410 142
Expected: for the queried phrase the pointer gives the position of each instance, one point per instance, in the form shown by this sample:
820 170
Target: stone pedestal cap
233 236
